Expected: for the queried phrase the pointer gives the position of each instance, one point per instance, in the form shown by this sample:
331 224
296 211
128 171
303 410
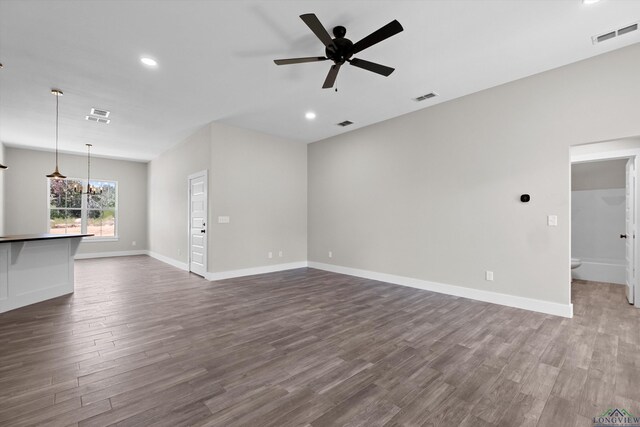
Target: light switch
223 220
552 220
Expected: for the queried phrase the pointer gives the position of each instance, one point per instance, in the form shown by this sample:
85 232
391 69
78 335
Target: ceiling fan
341 49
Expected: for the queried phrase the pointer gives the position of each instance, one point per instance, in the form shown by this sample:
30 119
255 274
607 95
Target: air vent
426 96
604 37
614 33
100 113
345 123
627 29
98 119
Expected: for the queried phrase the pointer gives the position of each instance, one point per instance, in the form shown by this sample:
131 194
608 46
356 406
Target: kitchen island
36 267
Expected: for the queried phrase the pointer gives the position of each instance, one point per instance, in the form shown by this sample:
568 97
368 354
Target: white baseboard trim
89 255
547 307
175 263
595 271
230 274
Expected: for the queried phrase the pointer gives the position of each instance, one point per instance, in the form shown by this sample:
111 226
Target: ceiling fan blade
391 29
331 77
372 66
299 60
318 29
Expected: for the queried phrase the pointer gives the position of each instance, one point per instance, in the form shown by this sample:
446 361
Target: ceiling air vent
627 29
98 119
100 113
345 123
614 33
427 96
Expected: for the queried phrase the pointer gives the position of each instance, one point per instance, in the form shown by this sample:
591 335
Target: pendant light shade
56 173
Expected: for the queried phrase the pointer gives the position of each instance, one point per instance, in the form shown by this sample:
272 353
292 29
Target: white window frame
83 211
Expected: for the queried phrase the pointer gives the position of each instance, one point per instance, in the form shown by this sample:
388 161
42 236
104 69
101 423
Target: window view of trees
71 210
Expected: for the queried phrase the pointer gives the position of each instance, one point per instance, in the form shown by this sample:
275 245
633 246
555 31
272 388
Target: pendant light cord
57 102
88 172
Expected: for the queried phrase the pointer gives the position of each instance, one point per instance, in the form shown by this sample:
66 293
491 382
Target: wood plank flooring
142 343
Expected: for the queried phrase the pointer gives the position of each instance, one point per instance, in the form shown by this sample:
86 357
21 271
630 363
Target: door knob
623 236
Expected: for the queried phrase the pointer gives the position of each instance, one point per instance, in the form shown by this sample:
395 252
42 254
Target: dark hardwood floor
142 343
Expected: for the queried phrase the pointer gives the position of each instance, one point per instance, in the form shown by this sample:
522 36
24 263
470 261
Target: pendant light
56 173
88 170
90 189
1 165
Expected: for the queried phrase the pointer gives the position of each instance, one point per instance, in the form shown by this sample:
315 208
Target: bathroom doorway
604 197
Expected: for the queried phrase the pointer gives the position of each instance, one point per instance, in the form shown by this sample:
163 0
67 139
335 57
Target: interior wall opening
604 215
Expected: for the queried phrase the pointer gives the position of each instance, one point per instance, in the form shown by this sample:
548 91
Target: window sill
100 239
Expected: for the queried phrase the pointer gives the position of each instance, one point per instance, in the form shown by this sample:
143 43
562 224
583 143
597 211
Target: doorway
198 242
604 217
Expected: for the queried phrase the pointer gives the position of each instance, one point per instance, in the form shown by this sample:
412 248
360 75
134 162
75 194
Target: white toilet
575 263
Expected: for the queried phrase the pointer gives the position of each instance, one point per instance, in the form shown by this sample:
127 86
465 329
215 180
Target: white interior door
198 223
630 219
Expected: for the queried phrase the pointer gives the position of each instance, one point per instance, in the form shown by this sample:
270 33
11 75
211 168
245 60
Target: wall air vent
100 113
614 33
345 123
97 119
426 96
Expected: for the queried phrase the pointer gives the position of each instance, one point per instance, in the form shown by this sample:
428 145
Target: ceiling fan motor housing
344 47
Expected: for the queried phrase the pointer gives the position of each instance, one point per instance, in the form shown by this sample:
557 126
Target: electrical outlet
488 275
330 254
270 255
280 254
133 243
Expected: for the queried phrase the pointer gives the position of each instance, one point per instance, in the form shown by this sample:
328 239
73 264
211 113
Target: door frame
205 174
614 155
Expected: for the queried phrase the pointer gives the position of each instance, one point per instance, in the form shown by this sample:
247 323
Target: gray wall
434 194
259 181
605 148
168 191
2 190
26 195
598 175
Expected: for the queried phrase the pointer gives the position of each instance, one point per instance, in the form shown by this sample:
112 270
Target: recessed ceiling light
310 115
590 1
150 62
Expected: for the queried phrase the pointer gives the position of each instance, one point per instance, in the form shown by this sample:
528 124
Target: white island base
35 268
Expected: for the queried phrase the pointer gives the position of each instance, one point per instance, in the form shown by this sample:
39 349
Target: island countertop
28 237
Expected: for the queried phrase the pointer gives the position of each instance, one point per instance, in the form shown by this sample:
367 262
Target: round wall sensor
525 198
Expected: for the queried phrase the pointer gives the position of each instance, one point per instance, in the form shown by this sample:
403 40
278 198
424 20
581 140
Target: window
72 210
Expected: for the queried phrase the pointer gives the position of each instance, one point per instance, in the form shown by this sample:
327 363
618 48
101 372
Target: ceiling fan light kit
340 49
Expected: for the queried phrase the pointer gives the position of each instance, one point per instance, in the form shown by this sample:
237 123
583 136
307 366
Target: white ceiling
216 63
